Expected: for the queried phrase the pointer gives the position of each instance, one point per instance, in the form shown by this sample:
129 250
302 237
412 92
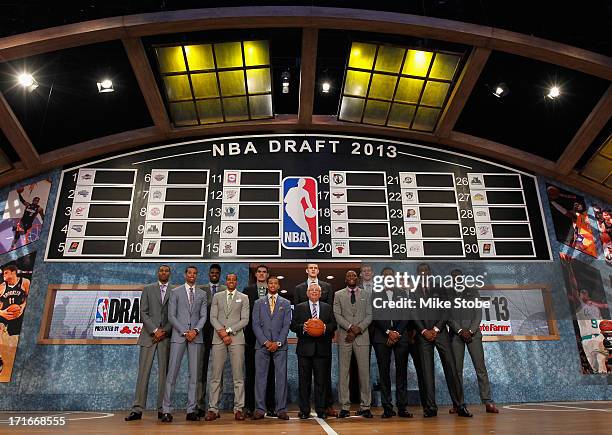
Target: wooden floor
550 417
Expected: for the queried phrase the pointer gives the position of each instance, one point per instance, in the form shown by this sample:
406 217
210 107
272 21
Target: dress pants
383 359
362 354
176 357
145 362
477 355
203 375
307 367
219 355
250 381
264 360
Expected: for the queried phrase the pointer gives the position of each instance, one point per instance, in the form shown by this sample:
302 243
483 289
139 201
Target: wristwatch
229 330
279 343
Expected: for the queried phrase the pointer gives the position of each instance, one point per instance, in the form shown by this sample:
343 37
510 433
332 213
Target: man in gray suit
213 286
271 321
464 327
187 314
155 330
353 312
229 314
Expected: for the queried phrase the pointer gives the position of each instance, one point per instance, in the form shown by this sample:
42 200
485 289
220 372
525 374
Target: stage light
105 85
329 277
280 276
554 92
27 81
325 87
285 77
500 90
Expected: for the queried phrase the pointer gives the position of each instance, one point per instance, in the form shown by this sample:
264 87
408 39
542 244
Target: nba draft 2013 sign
300 213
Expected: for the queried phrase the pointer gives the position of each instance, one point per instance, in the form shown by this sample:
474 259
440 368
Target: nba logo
102 310
300 213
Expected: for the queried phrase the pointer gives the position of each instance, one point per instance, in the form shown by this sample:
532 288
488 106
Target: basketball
13 308
316 327
605 326
310 212
553 192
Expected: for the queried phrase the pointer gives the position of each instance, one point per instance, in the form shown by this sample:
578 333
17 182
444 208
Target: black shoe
462 411
344 413
388 413
248 413
271 414
166 418
303 415
201 413
192 416
133 416
430 413
365 413
160 415
403 413
321 415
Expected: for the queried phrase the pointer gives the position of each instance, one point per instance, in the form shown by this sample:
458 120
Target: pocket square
238 300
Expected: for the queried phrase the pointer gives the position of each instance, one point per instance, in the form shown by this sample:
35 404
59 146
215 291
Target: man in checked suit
156 330
187 314
229 314
465 332
213 286
432 334
327 296
271 320
353 312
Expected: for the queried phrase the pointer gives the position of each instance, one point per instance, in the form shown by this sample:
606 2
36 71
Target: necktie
190 297
353 299
272 303
230 298
214 288
162 289
315 314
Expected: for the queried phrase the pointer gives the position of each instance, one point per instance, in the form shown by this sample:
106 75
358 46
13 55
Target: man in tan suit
353 312
229 314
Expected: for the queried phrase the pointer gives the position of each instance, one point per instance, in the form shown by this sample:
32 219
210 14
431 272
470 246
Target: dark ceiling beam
17 136
89 32
462 91
308 70
586 134
146 81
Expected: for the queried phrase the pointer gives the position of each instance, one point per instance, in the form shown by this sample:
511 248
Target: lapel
166 295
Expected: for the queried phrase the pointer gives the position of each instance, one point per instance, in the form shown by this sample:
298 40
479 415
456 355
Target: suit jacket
379 327
427 318
313 346
208 329
235 316
184 318
466 318
153 312
358 314
327 293
271 326
253 295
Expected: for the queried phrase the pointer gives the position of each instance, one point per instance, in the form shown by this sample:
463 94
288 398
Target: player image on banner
23 215
571 220
300 213
15 283
589 307
604 222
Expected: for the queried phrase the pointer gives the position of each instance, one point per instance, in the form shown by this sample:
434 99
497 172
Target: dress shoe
211 416
271 414
201 413
303 415
282 415
430 413
403 413
388 413
258 415
248 413
365 413
238 415
166 418
192 416
160 415
344 413
491 408
133 416
462 411
331 412
321 415
453 410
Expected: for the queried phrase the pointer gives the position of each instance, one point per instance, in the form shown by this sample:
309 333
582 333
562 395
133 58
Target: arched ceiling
486 50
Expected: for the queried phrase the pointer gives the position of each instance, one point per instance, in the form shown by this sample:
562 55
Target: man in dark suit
255 292
327 296
465 332
314 353
156 330
432 334
393 337
213 286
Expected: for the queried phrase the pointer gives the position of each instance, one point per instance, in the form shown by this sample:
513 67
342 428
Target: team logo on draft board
102 310
337 178
157 194
83 193
77 228
300 213
74 246
232 177
229 211
150 248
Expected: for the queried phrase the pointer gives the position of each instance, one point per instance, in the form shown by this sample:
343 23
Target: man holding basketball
313 322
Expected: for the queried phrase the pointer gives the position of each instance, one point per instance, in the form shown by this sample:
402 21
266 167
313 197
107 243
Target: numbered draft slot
101 247
172 247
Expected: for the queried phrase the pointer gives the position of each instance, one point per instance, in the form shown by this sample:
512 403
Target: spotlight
325 87
500 90
105 85
285 76
329 277
280 276
27 81
554 92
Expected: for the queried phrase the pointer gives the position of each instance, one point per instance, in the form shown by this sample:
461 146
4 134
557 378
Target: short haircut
387 268
191 267
164 265
314 285
272 277
262 266
11 267
215 266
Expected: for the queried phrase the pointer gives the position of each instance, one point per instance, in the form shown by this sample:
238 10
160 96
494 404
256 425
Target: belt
588 337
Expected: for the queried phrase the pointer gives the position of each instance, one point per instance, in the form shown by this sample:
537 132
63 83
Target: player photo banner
23 215
604 222
15 282
588 307
571 220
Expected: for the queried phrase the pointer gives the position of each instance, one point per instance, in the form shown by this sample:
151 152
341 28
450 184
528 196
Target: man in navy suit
187 315
271 320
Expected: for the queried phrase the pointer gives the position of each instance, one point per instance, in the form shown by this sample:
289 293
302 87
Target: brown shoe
282 415
238 415
453 410
258 415
331 412
491 408
211 416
